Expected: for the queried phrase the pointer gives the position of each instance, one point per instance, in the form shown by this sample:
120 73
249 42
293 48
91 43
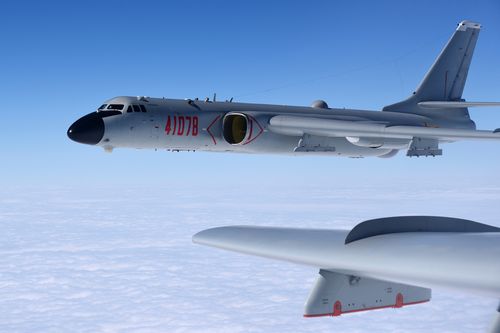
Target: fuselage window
115 107
129 109
143 108
136 108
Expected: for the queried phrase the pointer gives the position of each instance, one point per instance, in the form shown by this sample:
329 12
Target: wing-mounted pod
424 147
335 294
240 129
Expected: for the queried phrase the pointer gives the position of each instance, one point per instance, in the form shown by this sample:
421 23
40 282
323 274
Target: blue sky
62 59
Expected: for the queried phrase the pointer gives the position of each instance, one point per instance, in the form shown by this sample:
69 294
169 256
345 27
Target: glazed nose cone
88 129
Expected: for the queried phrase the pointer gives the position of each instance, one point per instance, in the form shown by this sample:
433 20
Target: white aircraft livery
434 114
383 263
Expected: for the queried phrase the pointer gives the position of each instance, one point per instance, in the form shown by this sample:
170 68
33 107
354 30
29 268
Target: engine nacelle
385 143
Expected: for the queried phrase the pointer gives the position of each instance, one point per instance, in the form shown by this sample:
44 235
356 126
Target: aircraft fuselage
191 125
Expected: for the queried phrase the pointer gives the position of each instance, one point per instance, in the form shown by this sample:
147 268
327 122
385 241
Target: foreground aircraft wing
298 126
381 263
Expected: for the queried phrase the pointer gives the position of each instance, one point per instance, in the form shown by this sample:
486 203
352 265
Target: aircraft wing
380 263
298 126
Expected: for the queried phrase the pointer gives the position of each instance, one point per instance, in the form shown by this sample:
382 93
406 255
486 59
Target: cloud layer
121 260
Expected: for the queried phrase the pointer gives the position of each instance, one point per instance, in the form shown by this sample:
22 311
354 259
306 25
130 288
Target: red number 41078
182 125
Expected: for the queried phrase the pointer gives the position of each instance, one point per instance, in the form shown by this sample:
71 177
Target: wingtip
466 24
212 235
201 236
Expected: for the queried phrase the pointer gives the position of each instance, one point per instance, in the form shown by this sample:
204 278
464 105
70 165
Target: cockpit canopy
119 108
116 107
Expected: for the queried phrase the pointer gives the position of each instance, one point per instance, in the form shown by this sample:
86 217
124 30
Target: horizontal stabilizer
335 294
445 80
455 104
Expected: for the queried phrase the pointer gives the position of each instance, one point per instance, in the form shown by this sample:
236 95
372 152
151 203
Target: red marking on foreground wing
332 314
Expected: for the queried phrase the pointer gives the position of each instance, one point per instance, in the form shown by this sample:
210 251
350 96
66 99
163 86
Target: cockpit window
129 109
102 107
136 108
115 107
143 108
109 113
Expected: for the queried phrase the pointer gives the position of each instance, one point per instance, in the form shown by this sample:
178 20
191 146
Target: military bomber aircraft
434 114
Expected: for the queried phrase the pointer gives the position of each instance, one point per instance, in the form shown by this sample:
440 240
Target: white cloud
122 260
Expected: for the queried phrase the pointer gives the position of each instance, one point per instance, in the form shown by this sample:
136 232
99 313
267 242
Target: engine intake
235 128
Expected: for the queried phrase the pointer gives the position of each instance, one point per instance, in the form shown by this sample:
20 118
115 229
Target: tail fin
445 80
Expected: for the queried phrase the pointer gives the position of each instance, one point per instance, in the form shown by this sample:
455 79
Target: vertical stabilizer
446 78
